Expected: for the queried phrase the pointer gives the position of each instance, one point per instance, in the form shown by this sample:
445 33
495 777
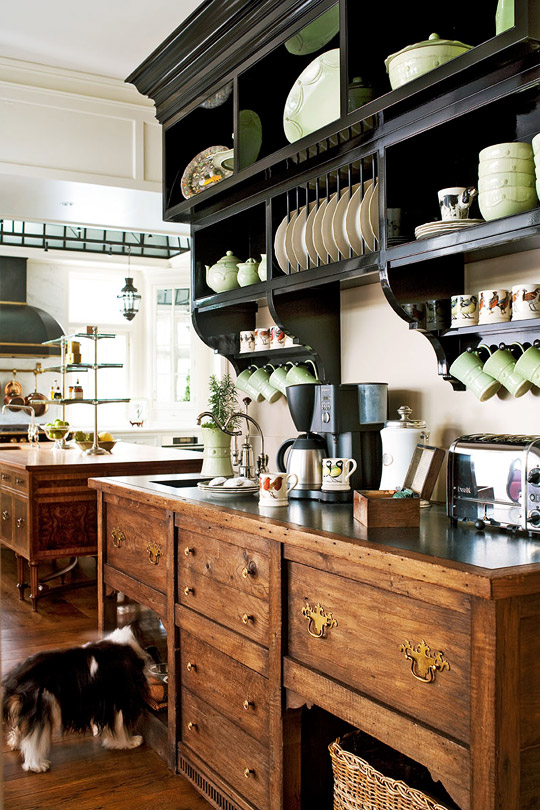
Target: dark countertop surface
491 549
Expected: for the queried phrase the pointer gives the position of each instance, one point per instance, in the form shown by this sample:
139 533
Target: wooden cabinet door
6 516
20 525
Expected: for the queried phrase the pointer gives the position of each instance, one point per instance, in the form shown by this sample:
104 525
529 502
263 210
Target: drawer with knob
235 690
20 525
6 477
229 751
6 516
407 653
230 607
138 543
237 566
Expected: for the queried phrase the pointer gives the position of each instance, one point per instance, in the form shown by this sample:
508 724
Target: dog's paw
14 739
37 767
135 741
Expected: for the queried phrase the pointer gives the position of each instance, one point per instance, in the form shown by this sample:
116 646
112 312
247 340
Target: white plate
363 215
313 100
316 34
339 230
326 226
299 242
288 243
220 490
352 217
279 245
374 213
310 242
318 243
447 226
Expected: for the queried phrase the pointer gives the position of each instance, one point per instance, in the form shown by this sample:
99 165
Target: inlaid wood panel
363 648
236 756
235 690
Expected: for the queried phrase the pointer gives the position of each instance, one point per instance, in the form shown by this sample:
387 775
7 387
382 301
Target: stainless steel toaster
495 479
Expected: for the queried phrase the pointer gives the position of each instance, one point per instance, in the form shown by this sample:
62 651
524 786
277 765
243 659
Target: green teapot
223 275
247 272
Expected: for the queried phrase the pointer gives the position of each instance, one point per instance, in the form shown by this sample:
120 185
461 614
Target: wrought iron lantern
131 300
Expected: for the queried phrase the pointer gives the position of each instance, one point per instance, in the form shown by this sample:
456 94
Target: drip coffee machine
335 420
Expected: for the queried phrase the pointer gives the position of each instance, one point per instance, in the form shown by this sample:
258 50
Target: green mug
279 376
502 366
469 369
299 374
260 381
243 384
528 365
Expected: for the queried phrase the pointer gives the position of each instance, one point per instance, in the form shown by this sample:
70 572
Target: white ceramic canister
399 439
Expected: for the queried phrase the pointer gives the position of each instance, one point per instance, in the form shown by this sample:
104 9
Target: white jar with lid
399 439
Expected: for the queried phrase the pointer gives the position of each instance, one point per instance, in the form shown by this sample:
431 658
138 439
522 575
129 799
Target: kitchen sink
177 483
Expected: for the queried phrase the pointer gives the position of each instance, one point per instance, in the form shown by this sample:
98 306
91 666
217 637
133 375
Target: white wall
377 346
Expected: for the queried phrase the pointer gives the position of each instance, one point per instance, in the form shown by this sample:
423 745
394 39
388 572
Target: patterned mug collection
264 338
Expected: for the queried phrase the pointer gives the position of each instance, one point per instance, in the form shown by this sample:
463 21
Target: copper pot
40 407
13 387
13 399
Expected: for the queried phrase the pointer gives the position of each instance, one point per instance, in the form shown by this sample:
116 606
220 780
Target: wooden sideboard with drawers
424 638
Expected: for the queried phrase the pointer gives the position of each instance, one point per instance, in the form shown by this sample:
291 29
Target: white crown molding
46 77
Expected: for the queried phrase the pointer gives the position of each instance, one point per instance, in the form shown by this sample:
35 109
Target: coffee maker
335 420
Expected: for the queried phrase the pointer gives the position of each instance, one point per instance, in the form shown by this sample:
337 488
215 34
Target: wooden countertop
491 563
45 458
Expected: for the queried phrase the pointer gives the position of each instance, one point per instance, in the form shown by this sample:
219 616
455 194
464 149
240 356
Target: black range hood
23 329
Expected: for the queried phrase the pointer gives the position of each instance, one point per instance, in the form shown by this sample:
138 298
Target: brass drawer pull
5 477
318 619
5 515
19 523
248 704
188 590
249 570
188 551
191 667
424 664
246 618
19 480
249 772
192 726
118 537
154 553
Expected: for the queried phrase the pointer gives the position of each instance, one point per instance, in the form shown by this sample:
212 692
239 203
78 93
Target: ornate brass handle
5 514
192 726
188 590
154 553
424 664
249 570
246 618
19 523
5 477
19 480
191 667
248 704
319 619
118 537
248 772
188 551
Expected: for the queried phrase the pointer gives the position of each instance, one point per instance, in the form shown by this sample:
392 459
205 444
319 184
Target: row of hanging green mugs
270 383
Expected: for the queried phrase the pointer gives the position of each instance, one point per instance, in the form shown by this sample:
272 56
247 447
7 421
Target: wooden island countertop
47 509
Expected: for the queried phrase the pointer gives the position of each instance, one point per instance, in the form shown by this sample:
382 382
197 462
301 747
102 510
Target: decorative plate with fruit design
201 173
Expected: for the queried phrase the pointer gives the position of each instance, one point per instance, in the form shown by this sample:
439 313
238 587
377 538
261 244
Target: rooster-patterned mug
494 306
274 488
525 301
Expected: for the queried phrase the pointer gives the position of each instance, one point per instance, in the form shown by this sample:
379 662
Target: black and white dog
99 687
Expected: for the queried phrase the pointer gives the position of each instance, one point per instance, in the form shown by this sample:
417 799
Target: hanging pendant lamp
129 296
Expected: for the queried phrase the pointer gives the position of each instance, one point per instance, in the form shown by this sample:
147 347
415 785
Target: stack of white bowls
536 150
506 179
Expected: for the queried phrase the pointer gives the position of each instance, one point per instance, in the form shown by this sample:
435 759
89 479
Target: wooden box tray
377 507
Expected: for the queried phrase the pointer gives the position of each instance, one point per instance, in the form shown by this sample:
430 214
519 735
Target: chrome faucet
245 467
33 429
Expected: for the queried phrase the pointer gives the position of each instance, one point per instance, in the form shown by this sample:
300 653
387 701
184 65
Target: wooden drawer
237 610
6 516
6 477
138 542
234 565
236 691
20 525
234 755
20 482
363 648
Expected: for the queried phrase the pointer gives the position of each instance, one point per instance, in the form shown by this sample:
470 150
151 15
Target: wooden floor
83 775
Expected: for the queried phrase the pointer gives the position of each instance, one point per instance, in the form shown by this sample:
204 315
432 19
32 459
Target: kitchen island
47 510
424 638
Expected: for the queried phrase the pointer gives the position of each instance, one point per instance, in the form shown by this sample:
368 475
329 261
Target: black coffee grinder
346 421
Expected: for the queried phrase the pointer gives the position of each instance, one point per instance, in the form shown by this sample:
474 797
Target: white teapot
223 275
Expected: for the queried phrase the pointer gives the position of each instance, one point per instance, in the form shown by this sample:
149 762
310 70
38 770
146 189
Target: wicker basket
359 786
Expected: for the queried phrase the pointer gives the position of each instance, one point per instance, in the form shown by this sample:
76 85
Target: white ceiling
105 37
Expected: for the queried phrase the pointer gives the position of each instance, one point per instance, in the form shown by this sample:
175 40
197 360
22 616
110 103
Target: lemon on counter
106 437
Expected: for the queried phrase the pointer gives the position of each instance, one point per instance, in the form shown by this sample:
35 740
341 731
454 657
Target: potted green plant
222 403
